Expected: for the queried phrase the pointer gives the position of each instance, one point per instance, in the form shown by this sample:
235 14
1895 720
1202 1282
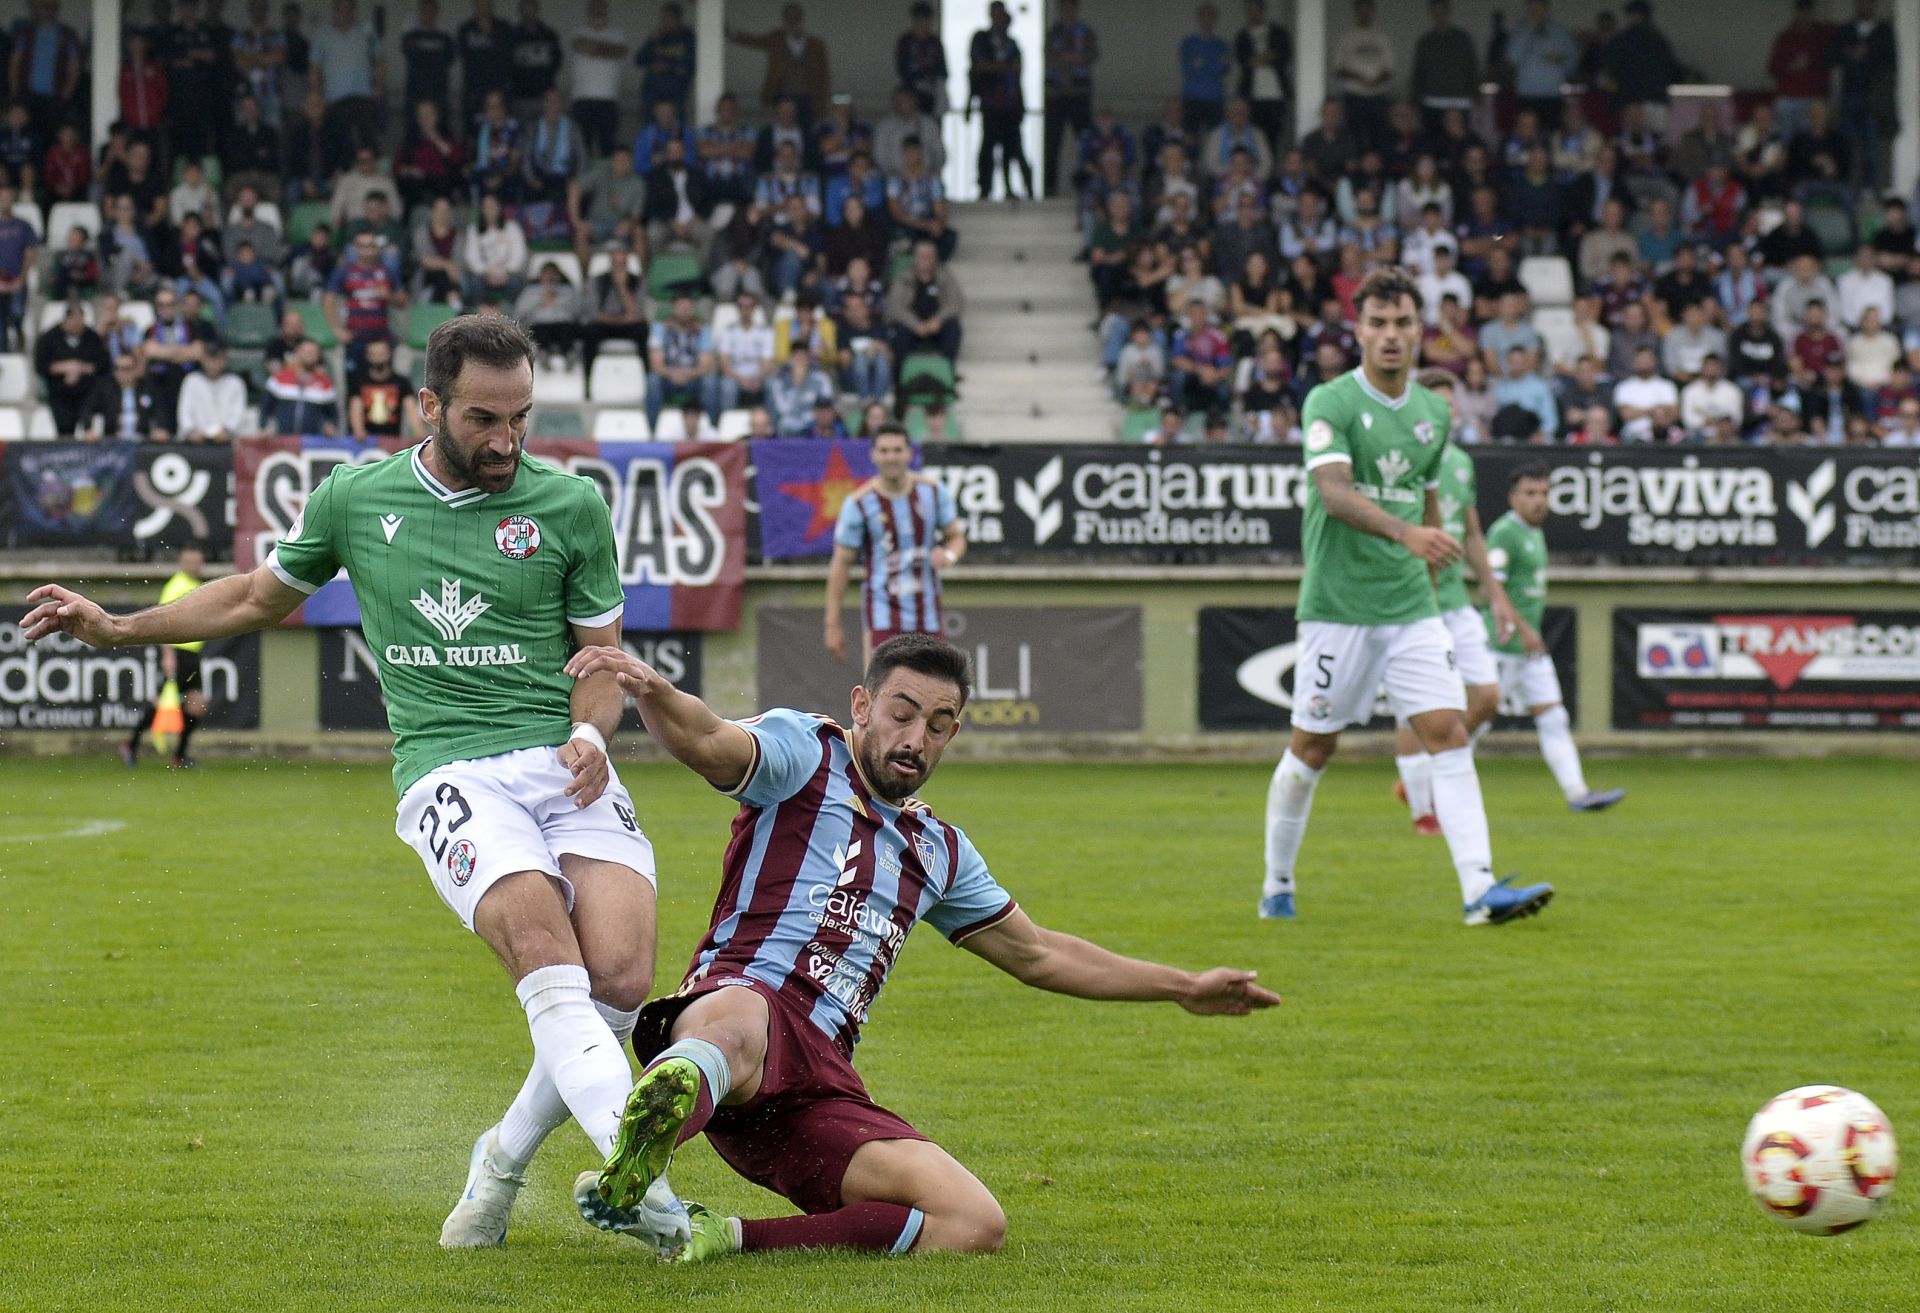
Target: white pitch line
84 830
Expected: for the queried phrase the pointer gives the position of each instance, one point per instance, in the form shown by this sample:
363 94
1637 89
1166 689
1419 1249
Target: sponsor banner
59 683
185 495
799 486
350 676
679 519
1247 657
1058 669
1743 670
71 493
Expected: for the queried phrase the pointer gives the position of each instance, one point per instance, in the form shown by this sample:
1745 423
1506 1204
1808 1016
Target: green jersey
1394 447
1459 492
465 598
1517 553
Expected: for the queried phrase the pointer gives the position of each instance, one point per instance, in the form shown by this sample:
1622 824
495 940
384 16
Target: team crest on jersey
461 860
1423 431
517 537
923 847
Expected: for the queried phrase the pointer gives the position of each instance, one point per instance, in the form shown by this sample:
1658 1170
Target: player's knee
1482 702
623 984
973 1224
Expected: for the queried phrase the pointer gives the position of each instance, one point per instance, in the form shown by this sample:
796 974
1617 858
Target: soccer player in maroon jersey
832 862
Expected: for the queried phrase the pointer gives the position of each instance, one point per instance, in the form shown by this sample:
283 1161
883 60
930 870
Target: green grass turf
245 1050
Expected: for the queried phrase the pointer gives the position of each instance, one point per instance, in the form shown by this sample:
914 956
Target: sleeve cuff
1329 458
1433 485
280 572
753 769
972 928
595 621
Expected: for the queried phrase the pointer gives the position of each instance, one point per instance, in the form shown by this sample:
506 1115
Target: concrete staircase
1028 361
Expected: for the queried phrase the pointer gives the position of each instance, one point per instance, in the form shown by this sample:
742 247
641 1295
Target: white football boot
479 1220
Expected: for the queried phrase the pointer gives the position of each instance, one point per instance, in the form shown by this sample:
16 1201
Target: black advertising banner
67 494
1840 669
1068 669
185 494
350 679
59 683
1247 657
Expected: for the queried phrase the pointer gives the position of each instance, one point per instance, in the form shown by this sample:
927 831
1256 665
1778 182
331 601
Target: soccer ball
1821 1159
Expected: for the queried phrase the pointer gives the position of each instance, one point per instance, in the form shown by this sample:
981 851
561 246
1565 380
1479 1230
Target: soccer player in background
1473 658
1367 612
1517 555
832 863
906 530
179 662
477 572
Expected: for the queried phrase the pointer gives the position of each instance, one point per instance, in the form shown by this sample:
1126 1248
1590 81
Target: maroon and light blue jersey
823 879
895 537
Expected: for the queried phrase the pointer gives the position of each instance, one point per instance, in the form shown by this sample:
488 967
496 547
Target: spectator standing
666 59
251 153
144 88
537 55
429 52
70 359
1205 61
727 148
352 77
18 242
305 401
1865 56
45 66
1263 55
360 297
993 79
600 50
196 103
1799 68
486 63
796 64
1363 68
1446 68
920 61
1639 65
1542 52
1072 49
213 403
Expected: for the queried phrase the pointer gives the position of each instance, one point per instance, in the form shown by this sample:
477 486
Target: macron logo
390 525
450 616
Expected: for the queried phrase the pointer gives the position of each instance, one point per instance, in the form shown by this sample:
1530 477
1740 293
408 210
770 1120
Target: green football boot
713 1236
658 1107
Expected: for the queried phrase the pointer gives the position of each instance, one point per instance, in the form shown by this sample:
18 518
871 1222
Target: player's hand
1224 992
940 557
1505 619
1531 642
63 611
590 771
836 639
1434 546
636 678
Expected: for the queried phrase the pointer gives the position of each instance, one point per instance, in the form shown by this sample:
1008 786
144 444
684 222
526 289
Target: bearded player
833 861
1367 612
478 571
1517 553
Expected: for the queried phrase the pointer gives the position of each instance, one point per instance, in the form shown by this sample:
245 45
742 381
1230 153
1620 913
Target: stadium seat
670 270
305 217
40 425
734 424
566 386
54 311
725 315
138 313
263 212
631 425
1833 226
1139 422
559 422
671 428
422 318
314 316
927 376
602 262
35 217
250 324
16 380
1553 319
566 261
13 425
72 214
1548 279
1562 341
618 381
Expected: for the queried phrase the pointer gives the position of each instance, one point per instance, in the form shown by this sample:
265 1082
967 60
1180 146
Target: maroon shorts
811 1114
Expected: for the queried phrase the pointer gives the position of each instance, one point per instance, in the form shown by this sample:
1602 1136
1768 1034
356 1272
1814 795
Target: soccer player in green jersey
1367 612
1517 553
478 572
1460 517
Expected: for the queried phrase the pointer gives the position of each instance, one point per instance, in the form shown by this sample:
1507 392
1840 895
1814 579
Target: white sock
538 1110
1289 800
1557 746
1463 820
1416 775
575 1049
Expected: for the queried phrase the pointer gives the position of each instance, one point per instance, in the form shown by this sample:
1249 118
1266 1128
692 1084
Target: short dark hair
492 340
925 654
1387 283
1434 378
1533 469
893 428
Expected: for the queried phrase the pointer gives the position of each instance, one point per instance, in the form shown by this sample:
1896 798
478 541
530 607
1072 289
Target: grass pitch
245 1050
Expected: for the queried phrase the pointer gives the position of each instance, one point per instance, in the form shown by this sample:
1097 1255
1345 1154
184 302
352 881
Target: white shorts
1472 654
473 822
1527 682
1341 668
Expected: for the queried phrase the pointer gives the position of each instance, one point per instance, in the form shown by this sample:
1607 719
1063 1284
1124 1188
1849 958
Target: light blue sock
709 1059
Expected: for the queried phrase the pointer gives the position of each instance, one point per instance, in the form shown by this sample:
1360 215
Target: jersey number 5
458 813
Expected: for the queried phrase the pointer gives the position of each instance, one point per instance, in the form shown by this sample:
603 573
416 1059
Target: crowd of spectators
268 229
1598 269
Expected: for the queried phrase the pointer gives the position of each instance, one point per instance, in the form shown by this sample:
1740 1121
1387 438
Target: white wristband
591 733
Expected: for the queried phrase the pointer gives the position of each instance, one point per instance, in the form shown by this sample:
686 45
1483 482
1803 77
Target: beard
472 470
887 782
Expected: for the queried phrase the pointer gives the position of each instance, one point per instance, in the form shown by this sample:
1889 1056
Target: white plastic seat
735 424
16 380
1553 319
613 425
618 381
40 425
138 313
1548 280
72 214
263 212
565 261
671 428
602 261
35 217
13 424
725 315
54 311
566 386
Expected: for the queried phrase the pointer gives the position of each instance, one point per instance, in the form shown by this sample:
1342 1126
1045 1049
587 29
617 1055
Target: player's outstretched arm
717 750
1347 504
238 604
1047 959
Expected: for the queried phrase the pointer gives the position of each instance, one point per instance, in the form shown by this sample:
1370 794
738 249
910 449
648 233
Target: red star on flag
825 494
